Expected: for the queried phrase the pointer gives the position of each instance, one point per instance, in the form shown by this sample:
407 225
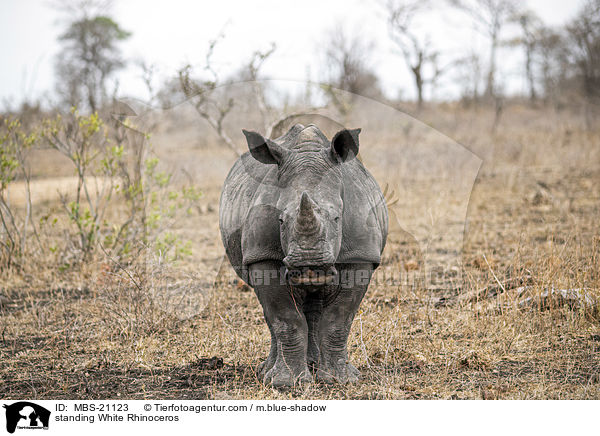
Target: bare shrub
15 144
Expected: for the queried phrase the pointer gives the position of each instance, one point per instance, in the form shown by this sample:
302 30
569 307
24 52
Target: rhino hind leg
286 365
336 322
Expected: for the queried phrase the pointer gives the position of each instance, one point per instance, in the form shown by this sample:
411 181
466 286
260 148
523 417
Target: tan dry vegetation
194 333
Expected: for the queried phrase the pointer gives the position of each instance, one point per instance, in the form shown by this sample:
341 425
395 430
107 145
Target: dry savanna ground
519 321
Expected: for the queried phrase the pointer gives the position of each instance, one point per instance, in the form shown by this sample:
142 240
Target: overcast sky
171 33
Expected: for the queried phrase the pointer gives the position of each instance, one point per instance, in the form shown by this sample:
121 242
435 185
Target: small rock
541 196
411 265
210 363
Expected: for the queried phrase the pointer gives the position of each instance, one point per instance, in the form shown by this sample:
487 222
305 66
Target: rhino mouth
311 276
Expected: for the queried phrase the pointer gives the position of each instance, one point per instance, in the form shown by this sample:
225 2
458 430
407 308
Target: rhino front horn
307 221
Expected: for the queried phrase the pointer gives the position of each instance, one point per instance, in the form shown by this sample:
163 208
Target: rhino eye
280 220
336 219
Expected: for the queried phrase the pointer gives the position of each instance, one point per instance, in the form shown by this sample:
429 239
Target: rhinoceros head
310 201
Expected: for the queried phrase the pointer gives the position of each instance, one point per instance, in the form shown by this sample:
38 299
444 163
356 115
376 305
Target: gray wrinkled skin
304 223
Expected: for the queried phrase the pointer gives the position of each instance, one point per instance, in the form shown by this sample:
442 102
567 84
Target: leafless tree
213 106
348 61
250 72
584 36
490 17
419 54
469 77
201 93
530 25
551 55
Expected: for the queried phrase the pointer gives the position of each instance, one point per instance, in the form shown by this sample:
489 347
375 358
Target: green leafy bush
124 204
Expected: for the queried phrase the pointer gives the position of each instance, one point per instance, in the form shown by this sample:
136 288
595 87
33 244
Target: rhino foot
280 376
264 367
342 372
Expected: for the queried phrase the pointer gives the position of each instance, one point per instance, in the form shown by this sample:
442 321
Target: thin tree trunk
489 90
529 72
419 83
417 73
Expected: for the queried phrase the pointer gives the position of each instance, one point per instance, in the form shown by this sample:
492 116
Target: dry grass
189 334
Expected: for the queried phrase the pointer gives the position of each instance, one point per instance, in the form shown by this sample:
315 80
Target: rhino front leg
287 324
313 308
267 364
335 325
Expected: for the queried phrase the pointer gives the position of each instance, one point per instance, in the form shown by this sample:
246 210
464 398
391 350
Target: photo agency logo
25 415
404 211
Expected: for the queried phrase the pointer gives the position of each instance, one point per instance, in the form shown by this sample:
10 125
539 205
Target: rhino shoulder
236 204
365 219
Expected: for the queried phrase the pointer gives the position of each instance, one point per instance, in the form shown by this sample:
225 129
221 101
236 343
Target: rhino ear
263 149
344 145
